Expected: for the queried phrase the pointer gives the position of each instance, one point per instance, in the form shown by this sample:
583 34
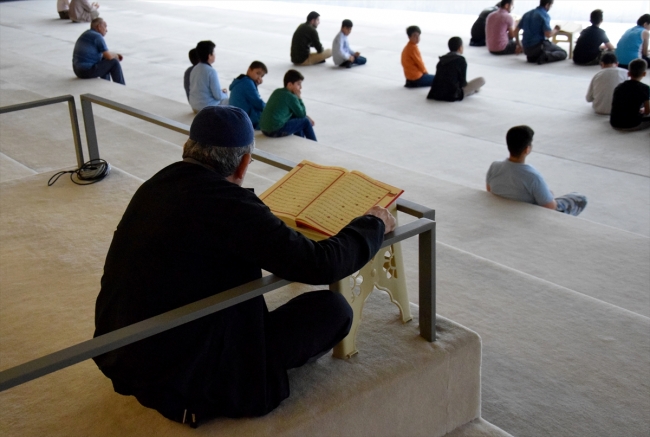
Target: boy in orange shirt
414 69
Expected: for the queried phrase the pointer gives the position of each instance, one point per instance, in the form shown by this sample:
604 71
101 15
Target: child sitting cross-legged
285 113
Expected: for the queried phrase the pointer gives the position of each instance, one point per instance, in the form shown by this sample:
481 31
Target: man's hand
311 121
224 90
357 54
518 49
119 57
385 216
351 58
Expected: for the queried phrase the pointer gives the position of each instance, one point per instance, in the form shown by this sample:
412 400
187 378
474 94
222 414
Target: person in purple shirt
500 31
536 25
91 57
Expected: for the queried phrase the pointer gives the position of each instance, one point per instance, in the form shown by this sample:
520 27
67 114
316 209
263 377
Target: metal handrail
424 227
72 108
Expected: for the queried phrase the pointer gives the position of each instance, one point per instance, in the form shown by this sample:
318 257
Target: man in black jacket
478 28
192 231
304 38
450 83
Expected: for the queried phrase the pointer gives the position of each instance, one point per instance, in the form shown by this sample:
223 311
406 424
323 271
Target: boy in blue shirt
516 180
536 25
244 93
205 89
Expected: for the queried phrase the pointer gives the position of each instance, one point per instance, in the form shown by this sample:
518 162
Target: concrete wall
615 11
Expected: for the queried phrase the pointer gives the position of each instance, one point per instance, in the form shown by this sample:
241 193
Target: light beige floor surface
539 287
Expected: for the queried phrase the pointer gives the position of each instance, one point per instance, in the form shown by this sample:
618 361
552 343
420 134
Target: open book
324 198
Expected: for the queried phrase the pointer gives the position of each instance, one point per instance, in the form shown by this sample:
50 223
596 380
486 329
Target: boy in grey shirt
516 180
602 85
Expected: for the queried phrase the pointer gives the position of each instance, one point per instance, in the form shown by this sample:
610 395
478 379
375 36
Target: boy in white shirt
601 88
342 54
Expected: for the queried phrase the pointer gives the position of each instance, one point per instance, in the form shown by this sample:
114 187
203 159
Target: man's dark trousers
106 69
544 52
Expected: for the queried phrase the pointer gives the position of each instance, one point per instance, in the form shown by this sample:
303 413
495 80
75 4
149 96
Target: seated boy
341 52
194 59
285 112
244 93
516 180
601 88
450 82
414 69
205 89
591 42
631 100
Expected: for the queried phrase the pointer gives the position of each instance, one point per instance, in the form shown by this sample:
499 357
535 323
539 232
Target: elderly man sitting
192 231
91 57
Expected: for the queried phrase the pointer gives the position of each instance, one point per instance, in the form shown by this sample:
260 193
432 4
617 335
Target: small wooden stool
566 34
385 271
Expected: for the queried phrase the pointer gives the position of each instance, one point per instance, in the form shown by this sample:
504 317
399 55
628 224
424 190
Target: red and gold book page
299 188
349 197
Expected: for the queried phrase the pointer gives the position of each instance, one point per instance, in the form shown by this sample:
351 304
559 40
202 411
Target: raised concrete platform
561 303
54 241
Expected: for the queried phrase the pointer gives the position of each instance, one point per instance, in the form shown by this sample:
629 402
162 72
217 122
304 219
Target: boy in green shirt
285 113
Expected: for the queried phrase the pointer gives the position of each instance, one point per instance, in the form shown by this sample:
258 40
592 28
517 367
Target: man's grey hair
224 160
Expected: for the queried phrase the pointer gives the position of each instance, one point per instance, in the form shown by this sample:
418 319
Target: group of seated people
284 114
450 81
626 101
497 29
78 11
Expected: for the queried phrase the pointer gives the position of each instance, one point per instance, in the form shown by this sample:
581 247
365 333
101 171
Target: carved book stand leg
386 272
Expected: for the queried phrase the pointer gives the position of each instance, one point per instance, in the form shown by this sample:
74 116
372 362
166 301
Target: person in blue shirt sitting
536 25
244 93
91 57
516 180
634 43
204 80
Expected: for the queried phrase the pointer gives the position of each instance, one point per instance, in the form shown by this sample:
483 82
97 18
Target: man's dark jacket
305 37
478 28
450 78
188 234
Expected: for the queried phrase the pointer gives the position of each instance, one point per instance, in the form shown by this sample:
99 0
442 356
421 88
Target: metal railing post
427 283
89 124
76 136
72 109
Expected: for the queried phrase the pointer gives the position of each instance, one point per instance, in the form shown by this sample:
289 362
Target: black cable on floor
91 172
